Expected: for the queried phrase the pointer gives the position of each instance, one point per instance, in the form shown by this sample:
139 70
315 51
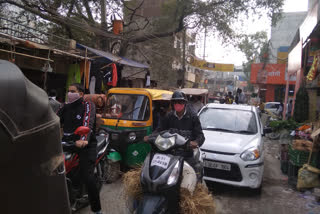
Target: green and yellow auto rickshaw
127 119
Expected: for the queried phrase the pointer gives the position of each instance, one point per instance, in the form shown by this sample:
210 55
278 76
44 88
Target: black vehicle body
162 175
77 193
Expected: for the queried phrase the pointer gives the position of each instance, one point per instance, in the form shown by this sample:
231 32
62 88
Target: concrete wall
282 34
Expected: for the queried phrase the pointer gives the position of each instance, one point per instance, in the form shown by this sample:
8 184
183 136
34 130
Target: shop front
270 80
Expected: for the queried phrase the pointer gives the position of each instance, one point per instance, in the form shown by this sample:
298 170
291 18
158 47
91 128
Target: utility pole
183 57
204 45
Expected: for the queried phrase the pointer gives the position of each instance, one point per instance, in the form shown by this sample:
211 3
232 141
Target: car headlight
173 178
164 144
132 136
250 154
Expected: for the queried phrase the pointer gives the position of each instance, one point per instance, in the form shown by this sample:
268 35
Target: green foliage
301 107
284 124
253 46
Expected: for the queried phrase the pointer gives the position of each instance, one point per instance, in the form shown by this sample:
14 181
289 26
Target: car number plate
217 165
160 160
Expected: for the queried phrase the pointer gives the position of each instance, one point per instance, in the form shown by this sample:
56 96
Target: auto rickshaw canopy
156 94
195 91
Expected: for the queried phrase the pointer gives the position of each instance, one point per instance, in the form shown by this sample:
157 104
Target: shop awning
114 58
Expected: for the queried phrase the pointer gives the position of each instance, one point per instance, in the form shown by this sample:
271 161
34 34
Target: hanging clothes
111 76
114 76
148 79
85 71
92 85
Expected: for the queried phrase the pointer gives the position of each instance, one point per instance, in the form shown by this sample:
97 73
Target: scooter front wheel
111 171
153 204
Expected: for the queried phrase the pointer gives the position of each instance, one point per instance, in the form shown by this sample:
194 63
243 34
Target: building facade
164 55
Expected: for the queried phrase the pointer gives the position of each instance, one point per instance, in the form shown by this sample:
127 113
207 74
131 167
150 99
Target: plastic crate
292 174
284 153
298 158
284 166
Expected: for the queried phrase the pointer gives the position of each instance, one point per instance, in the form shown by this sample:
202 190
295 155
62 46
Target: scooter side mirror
82 130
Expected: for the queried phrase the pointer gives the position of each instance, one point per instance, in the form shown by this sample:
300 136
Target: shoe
99 212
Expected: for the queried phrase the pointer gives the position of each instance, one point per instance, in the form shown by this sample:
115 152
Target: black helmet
179 95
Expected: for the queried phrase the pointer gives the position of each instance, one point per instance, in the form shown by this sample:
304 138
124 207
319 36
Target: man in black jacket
77 112
187 123
184 120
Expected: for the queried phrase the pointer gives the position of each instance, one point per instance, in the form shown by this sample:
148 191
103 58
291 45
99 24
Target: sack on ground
308 177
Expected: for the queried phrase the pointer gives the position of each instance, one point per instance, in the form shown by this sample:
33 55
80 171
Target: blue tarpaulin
114 58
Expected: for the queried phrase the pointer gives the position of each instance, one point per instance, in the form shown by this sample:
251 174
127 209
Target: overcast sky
217 53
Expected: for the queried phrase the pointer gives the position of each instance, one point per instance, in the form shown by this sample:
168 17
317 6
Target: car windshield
127 107
228 120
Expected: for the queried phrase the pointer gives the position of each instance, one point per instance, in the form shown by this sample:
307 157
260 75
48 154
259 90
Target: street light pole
204 45
183 57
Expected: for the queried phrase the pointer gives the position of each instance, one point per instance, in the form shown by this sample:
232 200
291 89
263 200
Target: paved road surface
276 197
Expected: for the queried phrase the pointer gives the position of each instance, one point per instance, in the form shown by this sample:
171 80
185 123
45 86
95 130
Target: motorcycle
165 171
273 135
77 194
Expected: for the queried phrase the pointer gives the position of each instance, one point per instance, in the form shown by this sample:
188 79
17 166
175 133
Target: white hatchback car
233 150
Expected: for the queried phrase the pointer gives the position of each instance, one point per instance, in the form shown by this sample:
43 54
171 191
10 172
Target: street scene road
277 197
210 96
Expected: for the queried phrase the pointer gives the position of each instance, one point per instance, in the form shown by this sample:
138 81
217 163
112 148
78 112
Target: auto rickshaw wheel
111 171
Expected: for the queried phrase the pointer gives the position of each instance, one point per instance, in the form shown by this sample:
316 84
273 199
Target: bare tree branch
61 20
71 8
88 10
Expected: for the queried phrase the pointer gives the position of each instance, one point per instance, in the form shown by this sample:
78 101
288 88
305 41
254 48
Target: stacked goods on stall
308 175
285 139
302 150
284 127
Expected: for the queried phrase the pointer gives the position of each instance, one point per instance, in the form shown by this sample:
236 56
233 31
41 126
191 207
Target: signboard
202 64
190 76
269 74
294 60
309 23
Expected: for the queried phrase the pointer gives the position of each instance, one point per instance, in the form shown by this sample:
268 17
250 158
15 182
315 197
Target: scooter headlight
164 144
173 178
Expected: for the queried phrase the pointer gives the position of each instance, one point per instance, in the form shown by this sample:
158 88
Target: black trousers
87 160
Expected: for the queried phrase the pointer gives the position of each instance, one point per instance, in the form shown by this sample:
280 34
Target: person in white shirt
196 103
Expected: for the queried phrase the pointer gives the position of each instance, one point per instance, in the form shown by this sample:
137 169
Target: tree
84 19
256 48
301 107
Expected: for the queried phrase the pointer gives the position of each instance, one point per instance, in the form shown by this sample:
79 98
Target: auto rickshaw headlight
132 136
